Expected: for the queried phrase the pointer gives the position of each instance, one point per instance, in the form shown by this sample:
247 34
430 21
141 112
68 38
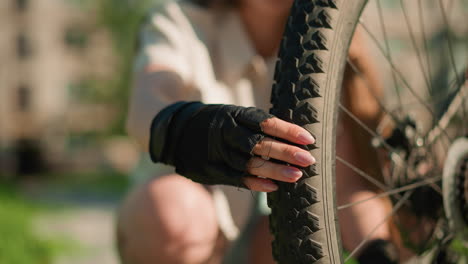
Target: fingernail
304 157
269 186
292 173
306 138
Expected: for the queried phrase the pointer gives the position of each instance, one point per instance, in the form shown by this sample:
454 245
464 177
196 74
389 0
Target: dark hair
215 2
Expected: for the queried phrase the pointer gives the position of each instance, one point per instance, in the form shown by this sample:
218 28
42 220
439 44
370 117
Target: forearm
152 91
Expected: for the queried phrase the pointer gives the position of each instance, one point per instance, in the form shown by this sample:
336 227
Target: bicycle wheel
308 80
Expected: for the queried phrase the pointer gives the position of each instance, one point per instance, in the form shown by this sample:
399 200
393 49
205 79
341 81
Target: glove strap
166 128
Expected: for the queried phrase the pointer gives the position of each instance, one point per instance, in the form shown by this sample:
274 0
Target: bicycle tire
307 86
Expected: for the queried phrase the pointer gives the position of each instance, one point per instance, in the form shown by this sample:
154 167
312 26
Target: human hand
218 144
265 171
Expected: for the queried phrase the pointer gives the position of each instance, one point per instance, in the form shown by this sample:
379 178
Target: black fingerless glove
210 144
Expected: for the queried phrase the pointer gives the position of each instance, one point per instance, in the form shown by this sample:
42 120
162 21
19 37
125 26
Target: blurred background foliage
20 243
63 199
122 19
44 208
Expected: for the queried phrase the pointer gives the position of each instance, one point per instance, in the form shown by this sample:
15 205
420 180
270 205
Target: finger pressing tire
272 148
270 170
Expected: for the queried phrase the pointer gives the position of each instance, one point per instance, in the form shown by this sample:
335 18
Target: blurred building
49 49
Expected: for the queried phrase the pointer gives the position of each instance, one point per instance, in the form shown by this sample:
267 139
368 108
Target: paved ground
92 228
88 220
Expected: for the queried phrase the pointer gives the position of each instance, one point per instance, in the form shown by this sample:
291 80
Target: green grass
19 243
351 260
460 248
101 182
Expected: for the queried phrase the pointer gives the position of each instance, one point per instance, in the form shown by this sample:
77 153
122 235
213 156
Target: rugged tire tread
323 19
297 228
318 42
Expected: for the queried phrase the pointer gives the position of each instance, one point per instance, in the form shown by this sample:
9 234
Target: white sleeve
162 45
163 41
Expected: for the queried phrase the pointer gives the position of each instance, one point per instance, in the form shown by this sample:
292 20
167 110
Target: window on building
24 98
76 37
22 5
23 46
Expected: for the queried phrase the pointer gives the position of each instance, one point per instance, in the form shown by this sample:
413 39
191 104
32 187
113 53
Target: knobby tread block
277 75
305 114
312 246
308 219
308 193
323 19
310 86
318 41
327 3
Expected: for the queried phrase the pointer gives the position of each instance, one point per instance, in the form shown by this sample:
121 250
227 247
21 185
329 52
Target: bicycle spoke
436 187
426 49
415 46
463 103
408 187
442 124
397 72
368 236
368 86
440 127
362 174
387 47
449 43
441 97
365 127
442 107
451 54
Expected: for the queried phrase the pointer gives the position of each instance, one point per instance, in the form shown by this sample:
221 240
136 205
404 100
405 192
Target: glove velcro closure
163 130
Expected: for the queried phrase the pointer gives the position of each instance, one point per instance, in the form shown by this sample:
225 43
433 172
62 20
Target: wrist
166 129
